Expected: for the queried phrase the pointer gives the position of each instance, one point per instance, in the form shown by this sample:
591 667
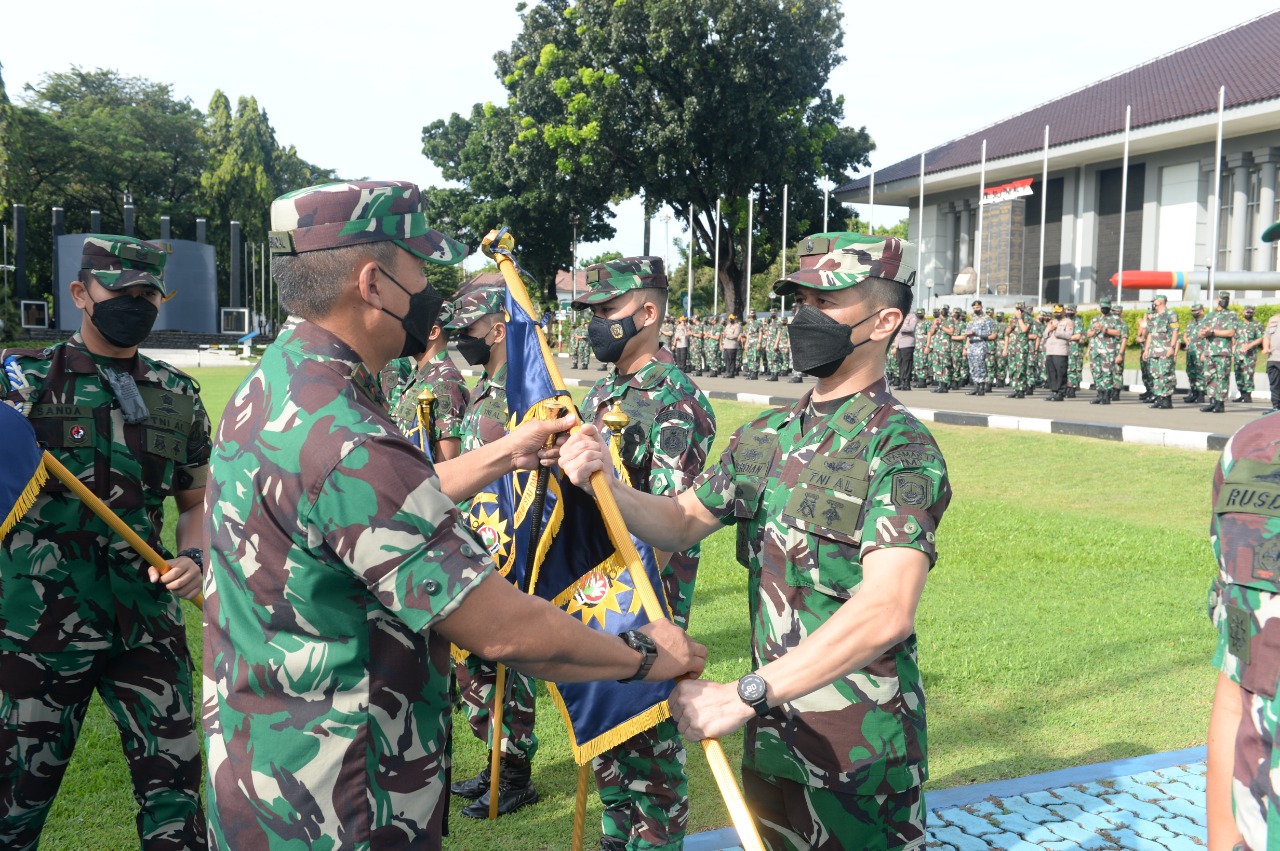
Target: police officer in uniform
79 609
837 500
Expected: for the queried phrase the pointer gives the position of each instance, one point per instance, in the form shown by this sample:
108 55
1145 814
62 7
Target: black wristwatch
195 554
648 651
752 691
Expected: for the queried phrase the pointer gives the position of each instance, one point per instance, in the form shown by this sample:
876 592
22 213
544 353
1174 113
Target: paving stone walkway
1149 804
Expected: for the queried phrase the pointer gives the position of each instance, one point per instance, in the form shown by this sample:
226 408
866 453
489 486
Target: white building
1167 222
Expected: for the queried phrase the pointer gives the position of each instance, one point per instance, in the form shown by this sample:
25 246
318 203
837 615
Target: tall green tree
687 101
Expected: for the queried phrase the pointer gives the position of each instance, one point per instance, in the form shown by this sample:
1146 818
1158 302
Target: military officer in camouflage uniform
1106 336
1160 350
340 570
751 331
695 345
1244 763
1248 344
1194 345
479 322
79 609
837 501
1075 352
666 332
924 357
773 333
642 783
711 340
1019 342
581 346
944 328
436 373
1218 332
979 335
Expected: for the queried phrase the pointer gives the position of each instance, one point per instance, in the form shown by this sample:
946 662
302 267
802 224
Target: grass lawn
1064 624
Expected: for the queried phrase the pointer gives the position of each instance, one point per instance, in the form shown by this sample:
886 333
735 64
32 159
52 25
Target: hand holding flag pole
498 246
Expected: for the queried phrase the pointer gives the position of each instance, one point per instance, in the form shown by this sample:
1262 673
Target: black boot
1166 402
1019 395
1071 392
610 843
1210 408
1246 397
473 788
1115 394
1193 397
795 378
1103 398
976 391
515 790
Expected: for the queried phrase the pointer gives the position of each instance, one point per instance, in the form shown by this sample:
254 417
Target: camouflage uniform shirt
67 582
486 418
445 381
333 553
664 447
812 494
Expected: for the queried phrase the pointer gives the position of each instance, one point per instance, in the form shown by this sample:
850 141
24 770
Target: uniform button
911 528
431 586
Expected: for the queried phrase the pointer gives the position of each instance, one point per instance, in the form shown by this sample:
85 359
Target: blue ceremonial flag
23 474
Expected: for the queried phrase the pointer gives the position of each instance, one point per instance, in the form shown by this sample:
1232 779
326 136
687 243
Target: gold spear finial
616 419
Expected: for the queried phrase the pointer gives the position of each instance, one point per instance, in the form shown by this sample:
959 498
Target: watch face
751 688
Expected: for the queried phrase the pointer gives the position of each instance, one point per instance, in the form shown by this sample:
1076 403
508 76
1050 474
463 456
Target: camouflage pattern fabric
1162 336
77 611
612 278
978 330
1021 345
696 360
484 422
666 331
393 378
1217 353
1075 355
445 381
123 261
1245 596
1246 362
642 783
813 491
581 347
711 346
793 816
333 554
1103 350
751 351
1195 354
784 349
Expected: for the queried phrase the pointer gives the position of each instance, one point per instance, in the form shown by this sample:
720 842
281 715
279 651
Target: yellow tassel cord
26 499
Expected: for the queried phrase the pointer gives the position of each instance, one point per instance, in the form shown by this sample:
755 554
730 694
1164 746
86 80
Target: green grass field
1064 624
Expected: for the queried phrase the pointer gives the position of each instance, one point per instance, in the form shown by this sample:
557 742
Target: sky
352 86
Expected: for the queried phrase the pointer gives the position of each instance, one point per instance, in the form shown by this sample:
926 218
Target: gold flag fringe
26 499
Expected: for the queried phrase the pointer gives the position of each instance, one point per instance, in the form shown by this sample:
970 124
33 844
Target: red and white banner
1016 189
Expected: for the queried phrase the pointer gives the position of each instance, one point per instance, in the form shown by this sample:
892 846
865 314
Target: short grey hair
310 283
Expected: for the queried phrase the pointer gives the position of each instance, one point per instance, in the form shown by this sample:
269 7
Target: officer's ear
80 294
499 330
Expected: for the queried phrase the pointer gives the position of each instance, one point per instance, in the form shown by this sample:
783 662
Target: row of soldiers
756 349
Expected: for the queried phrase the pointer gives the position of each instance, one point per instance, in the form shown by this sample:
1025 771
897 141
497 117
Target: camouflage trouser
476 679
793 817
645 789
1217 377
1163 380
891 367
1000 364
1255 781
942 365
978 362
1019 379
1245 365
774 356
1144 366
147 692
751 359
1103 366
1075 365
922 370
959 365
1195 371
582 354
711 354
695 355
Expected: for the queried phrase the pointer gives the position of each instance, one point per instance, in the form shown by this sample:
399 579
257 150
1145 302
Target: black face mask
977 311
124 321
608 337
424 307
819 344
1105 311
474 350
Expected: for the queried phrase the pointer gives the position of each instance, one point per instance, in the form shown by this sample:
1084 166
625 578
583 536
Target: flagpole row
106 515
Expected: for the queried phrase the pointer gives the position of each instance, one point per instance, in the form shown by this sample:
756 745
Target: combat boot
773 376
976 391
1193 397
612 843
795 378
1103 398
515 790
1246 397
982 389
473 788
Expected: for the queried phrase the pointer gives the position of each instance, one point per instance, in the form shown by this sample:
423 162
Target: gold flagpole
580 807
498 245
495 735
53 465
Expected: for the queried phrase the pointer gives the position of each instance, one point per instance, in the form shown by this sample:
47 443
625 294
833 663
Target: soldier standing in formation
1018 343
1107 335
1248 342
943 329
980 334
1218 333
732 343
666 332
79 610
711 344
1160 350
695 345
642 783
837 499
581 347
340 569
436 373
751 345
1144 368
1194 345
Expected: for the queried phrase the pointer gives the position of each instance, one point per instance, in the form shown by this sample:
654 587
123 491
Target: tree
687 101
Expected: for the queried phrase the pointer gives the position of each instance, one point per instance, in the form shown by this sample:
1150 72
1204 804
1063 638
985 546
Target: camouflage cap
606 281
1159 298
474 304
122 261
335 215
1249 308
813 248
856 258
1105 301
1070 308
1272 234
1197 306
445 316
919 311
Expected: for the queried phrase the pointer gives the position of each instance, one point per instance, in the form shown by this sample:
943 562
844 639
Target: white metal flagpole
920 234
1044 201
1124 194
1215 212
871 202
784 245
715 269
826 206
982 194
751 206
693 243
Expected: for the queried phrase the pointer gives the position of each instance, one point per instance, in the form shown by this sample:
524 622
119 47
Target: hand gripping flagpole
54 466
498 246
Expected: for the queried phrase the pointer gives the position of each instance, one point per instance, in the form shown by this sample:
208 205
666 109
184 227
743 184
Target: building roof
1245 59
